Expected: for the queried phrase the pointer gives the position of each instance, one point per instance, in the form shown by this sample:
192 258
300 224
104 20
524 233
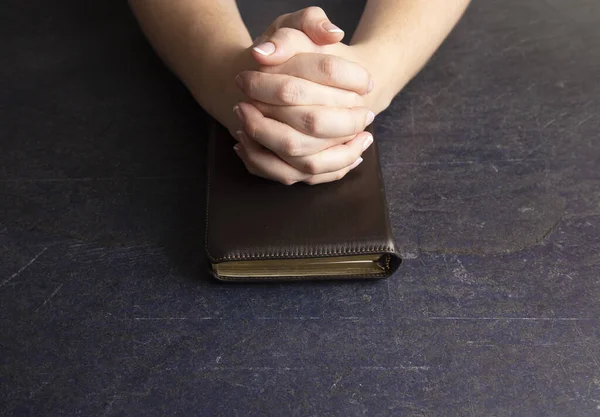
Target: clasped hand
305 111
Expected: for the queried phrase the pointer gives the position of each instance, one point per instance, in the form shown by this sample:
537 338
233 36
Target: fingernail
356 163
238 113
331 28
370 117
265 49
237 148
239 135
371 85
368 142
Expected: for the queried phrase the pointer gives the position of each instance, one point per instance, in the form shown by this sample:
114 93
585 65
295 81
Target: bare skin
297 99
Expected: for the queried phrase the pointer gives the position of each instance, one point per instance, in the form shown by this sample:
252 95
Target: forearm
397 38
202 42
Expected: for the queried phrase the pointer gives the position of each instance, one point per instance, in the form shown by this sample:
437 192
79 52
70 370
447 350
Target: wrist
214 87
388 78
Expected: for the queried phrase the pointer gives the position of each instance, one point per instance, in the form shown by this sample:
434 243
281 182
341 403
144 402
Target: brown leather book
260 230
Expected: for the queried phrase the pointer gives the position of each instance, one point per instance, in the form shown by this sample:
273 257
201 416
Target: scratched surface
491 158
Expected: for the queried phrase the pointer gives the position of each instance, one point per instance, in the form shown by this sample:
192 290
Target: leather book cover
259 230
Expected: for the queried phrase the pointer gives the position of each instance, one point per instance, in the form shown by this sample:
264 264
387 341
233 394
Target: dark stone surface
492 164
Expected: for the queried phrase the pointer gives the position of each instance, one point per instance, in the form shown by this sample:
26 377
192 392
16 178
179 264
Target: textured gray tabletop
491 158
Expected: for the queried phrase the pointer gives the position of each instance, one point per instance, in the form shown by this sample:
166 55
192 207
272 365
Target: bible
261 230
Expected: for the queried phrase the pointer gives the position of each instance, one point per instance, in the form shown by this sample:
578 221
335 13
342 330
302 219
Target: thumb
283 45
315 24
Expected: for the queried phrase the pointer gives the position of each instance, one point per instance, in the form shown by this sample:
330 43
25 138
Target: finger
326 70
332 176
284 90
282 45
314 22
263 163
279 137
320 121
332 159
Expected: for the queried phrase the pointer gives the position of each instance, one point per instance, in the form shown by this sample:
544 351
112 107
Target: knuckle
251 169
328 67
310 166
284 36
313 12
277 23
311 181
311 123
339 175
249 83
284 33
242 81
364 78
252 127
287 181
289 92
290 146
359 122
